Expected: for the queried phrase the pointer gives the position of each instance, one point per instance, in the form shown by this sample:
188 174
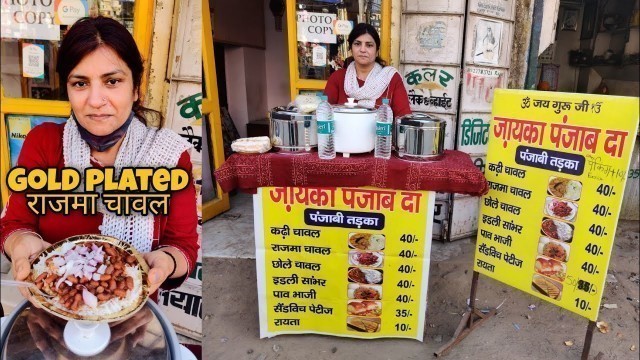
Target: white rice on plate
372 276
565 232
574 188
376 242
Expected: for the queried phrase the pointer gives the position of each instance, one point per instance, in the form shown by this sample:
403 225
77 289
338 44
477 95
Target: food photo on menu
561 209
552 268
363 324
564 188
363 241
557 229
364 276
364 292
364 308
373 259
553 249
547 287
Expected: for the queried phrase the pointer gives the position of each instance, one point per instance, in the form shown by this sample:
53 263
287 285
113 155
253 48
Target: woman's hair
359 30
86 36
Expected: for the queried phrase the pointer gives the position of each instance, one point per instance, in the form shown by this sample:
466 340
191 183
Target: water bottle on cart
326 128
384 124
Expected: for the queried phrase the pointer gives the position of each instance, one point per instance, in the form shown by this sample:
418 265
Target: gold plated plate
52 305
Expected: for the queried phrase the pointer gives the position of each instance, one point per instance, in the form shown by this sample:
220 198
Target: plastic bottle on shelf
384 124
326 128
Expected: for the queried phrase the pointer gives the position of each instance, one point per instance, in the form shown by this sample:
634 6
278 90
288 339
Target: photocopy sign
316 27
32 19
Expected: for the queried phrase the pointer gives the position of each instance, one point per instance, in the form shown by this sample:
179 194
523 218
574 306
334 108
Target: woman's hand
160 267
22 247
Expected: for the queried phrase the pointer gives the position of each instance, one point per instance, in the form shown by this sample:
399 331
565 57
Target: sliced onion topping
89 299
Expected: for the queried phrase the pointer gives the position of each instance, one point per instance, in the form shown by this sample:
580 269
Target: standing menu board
350 262
557 166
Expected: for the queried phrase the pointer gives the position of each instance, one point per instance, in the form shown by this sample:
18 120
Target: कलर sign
431 88
33 19
316 27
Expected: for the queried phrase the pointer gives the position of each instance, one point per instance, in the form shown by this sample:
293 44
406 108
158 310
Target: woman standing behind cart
101 69
365 76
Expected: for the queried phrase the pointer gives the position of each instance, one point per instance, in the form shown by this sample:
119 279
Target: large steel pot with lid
291 131
419 136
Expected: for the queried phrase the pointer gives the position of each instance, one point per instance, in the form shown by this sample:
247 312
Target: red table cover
454 173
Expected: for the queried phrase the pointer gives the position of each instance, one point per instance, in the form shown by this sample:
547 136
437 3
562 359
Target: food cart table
453 173
342 246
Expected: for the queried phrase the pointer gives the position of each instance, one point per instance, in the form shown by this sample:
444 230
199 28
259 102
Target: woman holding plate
101 67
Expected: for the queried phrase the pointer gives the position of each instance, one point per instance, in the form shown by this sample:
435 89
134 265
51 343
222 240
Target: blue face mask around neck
104 142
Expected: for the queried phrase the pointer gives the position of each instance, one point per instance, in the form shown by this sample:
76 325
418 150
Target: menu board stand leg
472 296
587 340
471 319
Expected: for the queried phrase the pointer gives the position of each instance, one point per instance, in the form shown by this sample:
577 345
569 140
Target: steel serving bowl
291 131
419 136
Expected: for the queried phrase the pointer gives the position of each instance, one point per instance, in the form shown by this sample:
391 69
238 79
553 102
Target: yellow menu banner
557 167
350 262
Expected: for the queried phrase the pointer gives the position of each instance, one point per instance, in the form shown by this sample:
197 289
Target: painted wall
396 16
256 85
567 40
276 61
239 23
257 78
521 44
548 31
236 87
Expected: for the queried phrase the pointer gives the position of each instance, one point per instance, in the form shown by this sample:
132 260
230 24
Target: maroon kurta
42 149
395 92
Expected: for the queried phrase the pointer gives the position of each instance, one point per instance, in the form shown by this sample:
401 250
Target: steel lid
421 120
352 110
291 114
31 333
